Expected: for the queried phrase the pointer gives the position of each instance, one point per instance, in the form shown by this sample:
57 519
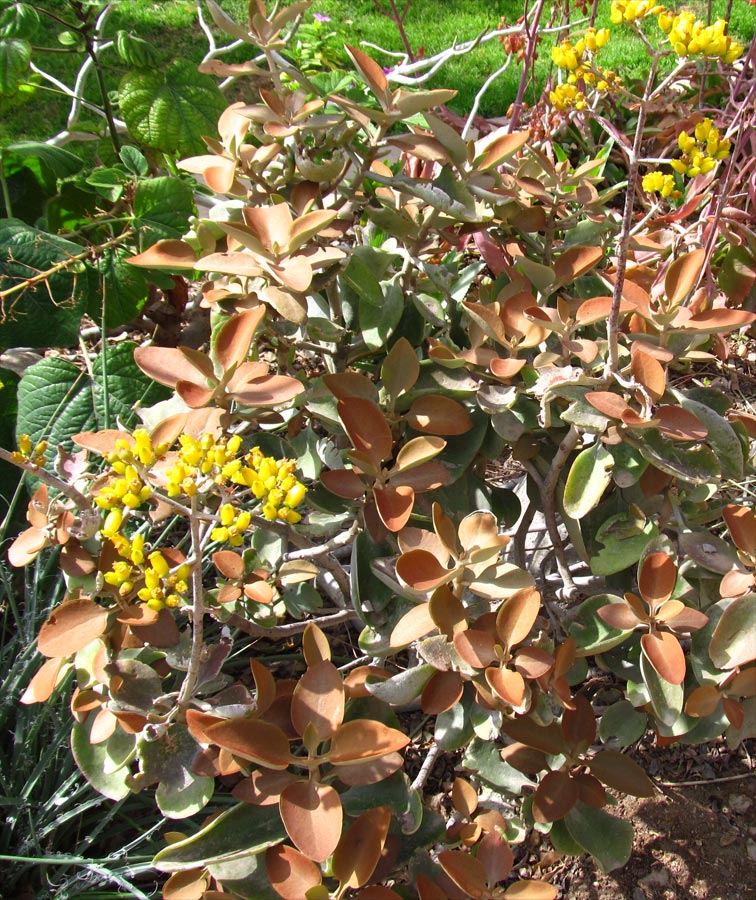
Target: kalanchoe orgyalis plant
384 330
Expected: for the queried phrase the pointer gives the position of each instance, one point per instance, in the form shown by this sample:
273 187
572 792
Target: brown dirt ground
691 842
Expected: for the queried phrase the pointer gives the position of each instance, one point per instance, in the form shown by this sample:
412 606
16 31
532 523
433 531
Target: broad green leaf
236 833
737 275
135 52
563 841
369 595
624 541
404 687
721 437
454 728
666 698
393 791
483 757
124 289
695 464
57 399
608 839
734 640
134 160
623 722
168 761
15 56
377 323
629 465
171 108
246 876
99 762
61 162
588 478
162 209
48 313
591 633
18 20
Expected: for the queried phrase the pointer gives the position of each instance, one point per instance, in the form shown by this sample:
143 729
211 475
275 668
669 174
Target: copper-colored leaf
591 790
270 390
71 626
496 855
412 626
618 615
26 547
742 524
421 570
441 693
532 662
371 771
416 452
497 149
437 414
187 885
665 654
41 687
517 324
524 759
557 793
364 739
576 261
608 403
166 255
464 797
447 611
315 646
400 369
547 738
679 424
318 700
371 72
531 890
506 684
234 338
170 365
682 276
344 483
475 647
367 428
703 701
312 816
517 615
505 368
649 372
252 739
597 309
394 505
657 578
360 848
579 725
467 872
621 773
291 873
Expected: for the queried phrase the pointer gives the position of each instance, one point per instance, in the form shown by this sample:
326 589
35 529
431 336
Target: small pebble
739 803
751 849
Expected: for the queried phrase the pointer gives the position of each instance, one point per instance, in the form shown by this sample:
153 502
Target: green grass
431 24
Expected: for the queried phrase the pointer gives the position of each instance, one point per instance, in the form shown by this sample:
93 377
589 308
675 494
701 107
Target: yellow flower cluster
28 452
274 484
567 96
129 489
630 10
701 150
690 36
202 463
658 183
163 587
233 525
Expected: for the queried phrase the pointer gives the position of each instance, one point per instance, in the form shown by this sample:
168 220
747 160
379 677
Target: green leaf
666 698
168 760
135 52
484 758
454 728
608 839
721 437
404 687
393 791
172 108
588 478
377 323
62 163
18 20
48 313
15 56
624 542
57 399
695 464
104 765
246 876
124 289
623 722
134 160
563 841
369 595
629 465
162 209
734 640
591 633
236 833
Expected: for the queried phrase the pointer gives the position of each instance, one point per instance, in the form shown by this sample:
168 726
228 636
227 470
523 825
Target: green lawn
431 24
